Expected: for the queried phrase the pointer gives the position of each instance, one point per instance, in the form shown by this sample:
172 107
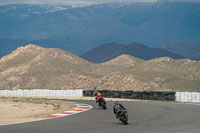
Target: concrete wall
193 97
42 92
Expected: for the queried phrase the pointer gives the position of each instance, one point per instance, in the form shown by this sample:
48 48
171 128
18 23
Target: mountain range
79 28
191 51
34 67
109 51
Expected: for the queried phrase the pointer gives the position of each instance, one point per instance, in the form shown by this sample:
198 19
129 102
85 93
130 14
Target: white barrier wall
42 92
193 97
180 96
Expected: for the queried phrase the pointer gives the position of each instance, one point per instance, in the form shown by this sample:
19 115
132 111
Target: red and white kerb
80 108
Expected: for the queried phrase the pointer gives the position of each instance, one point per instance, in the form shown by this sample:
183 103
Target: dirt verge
24 109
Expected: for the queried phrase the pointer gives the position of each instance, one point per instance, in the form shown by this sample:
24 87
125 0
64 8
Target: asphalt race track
144 117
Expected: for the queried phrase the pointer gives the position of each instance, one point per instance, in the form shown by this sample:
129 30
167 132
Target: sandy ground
15 111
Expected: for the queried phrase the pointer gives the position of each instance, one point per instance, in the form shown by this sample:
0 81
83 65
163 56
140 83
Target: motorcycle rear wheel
124 120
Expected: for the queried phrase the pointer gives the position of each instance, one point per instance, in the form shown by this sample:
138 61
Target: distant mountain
34 67
191 51
81 28
109 51
104 52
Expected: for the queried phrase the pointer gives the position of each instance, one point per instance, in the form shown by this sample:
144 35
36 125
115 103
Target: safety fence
42 92
193 97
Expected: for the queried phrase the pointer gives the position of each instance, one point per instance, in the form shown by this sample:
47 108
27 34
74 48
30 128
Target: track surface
143 118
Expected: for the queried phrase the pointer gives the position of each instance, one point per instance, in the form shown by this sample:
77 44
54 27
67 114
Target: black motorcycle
102 103
123 116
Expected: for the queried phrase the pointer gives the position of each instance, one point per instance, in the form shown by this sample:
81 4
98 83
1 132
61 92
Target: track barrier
42 92
169 96
193 97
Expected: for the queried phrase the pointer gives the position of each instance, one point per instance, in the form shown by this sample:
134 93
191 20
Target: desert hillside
34 67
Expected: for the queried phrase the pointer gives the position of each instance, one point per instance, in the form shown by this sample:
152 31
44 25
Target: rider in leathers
117 107
98 96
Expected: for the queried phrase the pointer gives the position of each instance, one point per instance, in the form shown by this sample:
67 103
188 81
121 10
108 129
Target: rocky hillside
35 67
32 67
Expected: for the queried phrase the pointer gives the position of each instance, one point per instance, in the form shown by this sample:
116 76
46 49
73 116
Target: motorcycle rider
118 107
98 96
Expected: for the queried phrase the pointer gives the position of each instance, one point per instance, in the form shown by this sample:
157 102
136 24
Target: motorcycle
102 103
123 116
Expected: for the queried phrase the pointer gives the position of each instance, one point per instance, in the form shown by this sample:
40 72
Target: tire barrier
152 95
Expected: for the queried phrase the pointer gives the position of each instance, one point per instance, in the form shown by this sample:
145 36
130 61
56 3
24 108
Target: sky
69 2
79 2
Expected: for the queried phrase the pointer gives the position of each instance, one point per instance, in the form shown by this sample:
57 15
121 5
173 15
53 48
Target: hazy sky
79 2
68 2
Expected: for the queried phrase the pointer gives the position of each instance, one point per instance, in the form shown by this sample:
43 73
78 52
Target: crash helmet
116 103
95 93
